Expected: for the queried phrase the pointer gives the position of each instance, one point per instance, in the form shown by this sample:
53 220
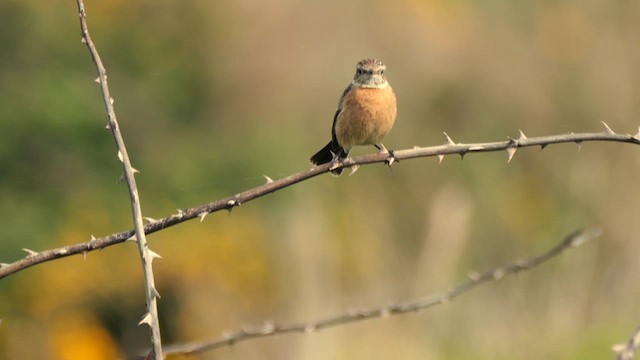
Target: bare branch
627 351
230 202
147 256
475 279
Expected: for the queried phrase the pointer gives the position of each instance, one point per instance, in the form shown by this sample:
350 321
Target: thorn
309 328
30 252
148 219
474 276
511 151
83 40
146 319
354 168
93 237
542 146
120 157
111 100
131 238
579 143
154 255
607 129
440 158
636 137
619 348
156 293
462 154
448 139
269 180
97 80
268 328
498 274
202 215
228 335
135 171
522 135
108 127
84 256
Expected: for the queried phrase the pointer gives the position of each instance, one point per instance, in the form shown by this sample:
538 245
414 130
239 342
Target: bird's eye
359 72
382 72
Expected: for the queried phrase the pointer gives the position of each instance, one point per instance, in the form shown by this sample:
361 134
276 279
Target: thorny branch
146 255
475 279
228 203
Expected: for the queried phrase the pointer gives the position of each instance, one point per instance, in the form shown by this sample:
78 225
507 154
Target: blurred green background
212 95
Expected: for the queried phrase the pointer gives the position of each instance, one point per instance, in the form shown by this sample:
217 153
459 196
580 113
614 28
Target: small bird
366 112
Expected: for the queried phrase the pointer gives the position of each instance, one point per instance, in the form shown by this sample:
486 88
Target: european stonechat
366 112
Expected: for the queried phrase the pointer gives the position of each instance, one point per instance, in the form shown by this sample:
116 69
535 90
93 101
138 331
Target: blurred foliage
212 95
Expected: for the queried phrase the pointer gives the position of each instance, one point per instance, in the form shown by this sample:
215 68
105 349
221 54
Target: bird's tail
327 153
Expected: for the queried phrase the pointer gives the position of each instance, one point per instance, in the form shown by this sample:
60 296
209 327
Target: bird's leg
383 150
338 158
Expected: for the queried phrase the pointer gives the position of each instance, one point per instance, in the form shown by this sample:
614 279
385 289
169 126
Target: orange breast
367 116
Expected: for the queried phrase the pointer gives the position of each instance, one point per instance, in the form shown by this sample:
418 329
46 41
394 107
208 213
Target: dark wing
336 147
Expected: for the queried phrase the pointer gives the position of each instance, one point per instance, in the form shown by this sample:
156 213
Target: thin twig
475 279
228 203
146 255
627 351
